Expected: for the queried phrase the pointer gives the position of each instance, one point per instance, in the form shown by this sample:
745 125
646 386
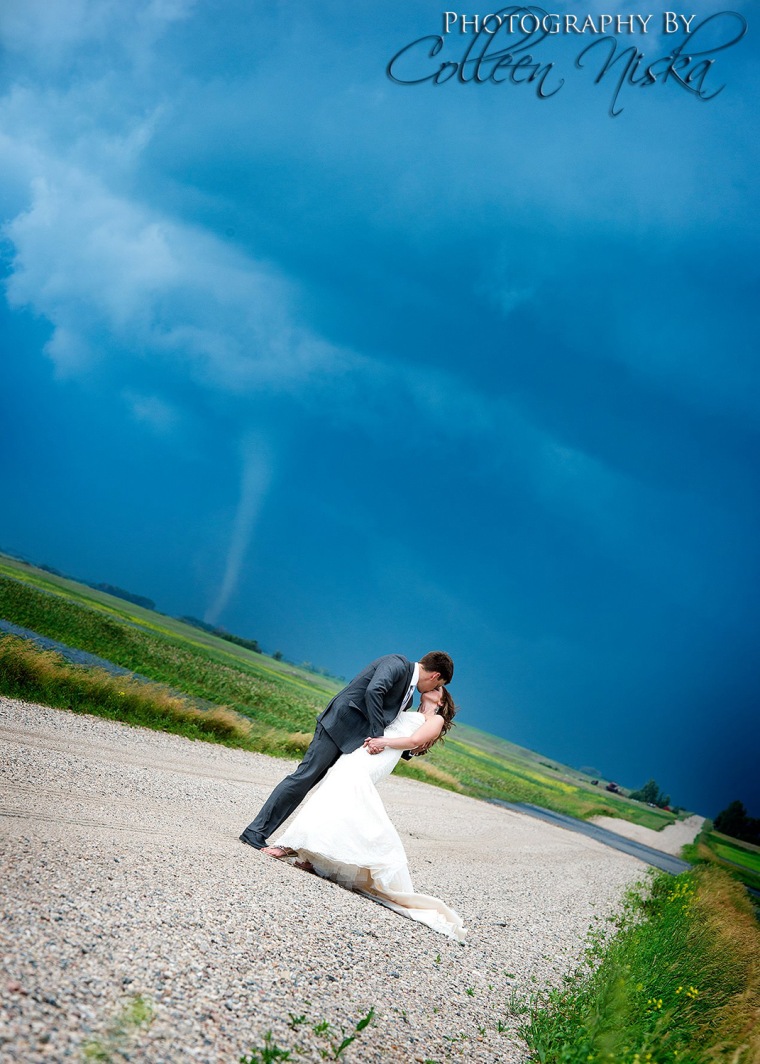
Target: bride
343 832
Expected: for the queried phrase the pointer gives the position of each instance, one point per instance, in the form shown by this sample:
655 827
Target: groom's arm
387 673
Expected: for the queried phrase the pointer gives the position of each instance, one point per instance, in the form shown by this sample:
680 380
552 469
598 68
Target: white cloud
151 410
48 33
119 282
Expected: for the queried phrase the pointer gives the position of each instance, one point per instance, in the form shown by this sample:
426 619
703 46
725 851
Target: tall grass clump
676 978
44 676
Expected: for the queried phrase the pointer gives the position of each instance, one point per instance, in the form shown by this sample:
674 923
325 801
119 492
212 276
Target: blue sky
354 367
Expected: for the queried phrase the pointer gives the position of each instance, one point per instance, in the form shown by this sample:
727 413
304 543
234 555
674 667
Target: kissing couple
343 832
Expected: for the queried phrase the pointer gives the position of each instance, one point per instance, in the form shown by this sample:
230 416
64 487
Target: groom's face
428 681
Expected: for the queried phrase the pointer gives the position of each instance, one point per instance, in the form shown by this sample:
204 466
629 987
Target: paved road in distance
652 857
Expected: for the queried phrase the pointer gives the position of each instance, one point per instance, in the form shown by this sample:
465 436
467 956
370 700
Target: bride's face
431 700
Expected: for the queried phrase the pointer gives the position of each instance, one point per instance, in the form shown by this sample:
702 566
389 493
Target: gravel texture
135 926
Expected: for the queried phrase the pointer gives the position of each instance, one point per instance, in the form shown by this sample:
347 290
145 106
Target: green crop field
731 850
739 859
277 701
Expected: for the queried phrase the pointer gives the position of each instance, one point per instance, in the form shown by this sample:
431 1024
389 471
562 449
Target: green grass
279 700
740 859
729 851
333 1042
136 1014
674 978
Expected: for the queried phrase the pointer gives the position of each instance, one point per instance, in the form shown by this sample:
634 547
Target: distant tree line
110 589
222 633
119 592
252 644
734 821
652 795
319 670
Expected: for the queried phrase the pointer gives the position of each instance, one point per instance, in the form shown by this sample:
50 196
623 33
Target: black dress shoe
257 842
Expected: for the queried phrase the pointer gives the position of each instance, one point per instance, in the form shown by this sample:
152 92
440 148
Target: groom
362 709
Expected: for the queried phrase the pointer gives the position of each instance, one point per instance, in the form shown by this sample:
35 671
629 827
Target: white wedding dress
344 831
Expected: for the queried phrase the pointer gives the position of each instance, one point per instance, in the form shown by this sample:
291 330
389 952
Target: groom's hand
374 746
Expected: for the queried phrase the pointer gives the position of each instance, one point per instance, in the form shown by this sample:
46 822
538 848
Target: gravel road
670 839
135 926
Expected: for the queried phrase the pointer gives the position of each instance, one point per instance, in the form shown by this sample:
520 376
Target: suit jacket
368 703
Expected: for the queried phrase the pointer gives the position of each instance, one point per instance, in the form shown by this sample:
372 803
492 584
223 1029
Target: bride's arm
426 733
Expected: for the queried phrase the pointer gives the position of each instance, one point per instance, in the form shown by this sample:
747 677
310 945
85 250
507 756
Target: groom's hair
439 661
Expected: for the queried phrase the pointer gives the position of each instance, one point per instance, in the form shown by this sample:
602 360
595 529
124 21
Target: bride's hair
447 709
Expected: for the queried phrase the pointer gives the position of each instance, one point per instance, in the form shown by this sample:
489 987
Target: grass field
739 859
736 852
278 701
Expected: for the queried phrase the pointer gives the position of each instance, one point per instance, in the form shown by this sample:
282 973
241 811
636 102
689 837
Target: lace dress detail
344 831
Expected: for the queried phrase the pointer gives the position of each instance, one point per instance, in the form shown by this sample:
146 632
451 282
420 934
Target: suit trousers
318 759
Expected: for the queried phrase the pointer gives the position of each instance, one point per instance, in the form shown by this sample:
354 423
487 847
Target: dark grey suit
363 708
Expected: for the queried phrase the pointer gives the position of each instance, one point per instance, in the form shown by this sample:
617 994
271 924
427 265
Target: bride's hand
375 746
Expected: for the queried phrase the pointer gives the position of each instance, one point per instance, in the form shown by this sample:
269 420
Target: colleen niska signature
487 57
